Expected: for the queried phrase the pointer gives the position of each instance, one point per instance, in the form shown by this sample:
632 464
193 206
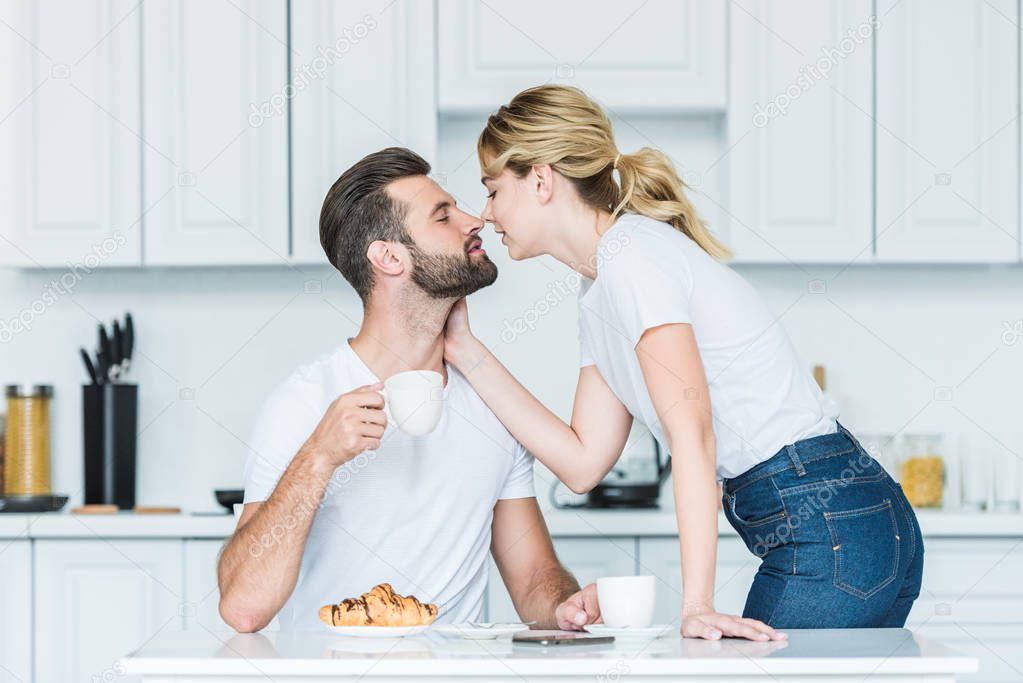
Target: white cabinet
215 122
16 608
69 133
947 131
736 568
97 599
997 648
631 54
202 597
590 558
587 559
800 133
970 581
363 77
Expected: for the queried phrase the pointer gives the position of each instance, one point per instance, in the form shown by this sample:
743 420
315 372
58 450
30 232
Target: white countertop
934 523
890 653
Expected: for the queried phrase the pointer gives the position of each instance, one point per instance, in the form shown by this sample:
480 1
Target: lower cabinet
96 600
16 608
202 595
735 570
81 604
590 558
970 581
972 601
587 559
996 646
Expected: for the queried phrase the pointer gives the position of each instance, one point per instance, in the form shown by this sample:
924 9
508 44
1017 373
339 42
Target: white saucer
378 631
644 632
471 632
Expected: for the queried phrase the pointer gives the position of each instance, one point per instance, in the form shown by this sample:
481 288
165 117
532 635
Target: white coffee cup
627 600
414 400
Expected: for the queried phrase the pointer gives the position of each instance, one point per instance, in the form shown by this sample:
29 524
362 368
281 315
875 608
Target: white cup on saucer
414 400
627 600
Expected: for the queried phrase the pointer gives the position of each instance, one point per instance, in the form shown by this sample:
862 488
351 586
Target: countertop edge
597 666
561 523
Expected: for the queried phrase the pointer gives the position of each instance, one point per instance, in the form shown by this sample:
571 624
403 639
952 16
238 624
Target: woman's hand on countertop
711 625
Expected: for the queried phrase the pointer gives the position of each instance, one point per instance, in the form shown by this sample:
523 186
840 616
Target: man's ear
387 257
541 178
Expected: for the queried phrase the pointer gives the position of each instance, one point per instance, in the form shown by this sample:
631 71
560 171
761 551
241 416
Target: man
337 501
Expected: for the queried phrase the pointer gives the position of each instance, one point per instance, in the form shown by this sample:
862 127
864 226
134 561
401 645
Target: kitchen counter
642 523
839 655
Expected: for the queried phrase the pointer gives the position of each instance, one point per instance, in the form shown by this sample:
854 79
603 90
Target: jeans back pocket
866 547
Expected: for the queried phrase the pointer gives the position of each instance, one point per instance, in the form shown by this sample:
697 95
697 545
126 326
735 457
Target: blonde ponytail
560 126
651 187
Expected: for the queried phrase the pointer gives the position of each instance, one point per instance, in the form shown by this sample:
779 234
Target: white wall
890 336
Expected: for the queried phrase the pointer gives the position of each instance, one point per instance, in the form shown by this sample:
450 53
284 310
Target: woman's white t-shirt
648 275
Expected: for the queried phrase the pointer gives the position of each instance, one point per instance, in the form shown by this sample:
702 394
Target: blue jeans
840 544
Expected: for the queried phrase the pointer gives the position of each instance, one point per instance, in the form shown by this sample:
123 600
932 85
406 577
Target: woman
670 336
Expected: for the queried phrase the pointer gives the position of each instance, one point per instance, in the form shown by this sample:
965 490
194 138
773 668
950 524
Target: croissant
380 606
350 612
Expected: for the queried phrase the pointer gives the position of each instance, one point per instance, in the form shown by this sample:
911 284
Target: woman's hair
560 126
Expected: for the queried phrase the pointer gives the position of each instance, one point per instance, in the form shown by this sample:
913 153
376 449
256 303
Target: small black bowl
51 503
229 497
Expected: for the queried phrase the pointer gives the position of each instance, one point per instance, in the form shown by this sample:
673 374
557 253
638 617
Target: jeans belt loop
847 433
794 456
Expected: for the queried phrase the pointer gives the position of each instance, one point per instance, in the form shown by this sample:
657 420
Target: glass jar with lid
3 447
922 470
27 452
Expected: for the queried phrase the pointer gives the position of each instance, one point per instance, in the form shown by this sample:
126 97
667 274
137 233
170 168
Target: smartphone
562 639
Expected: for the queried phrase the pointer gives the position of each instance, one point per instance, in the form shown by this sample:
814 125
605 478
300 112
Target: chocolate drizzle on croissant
380 606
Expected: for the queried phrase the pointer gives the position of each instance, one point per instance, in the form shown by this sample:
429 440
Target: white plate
471 632
378 631
646 632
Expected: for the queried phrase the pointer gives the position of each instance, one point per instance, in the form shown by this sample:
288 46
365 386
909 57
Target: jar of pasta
922 470
3 446
27 451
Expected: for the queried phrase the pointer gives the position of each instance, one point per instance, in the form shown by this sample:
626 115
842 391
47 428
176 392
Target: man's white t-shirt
648 275
415 513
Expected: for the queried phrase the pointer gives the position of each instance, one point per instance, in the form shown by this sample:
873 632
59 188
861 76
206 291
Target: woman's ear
387 257
541 178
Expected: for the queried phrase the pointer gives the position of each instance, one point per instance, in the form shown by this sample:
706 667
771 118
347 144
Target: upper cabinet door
800 131
363 78
69 133
215 114
947 130
636 55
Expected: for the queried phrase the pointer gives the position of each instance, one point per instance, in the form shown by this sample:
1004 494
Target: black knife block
109 428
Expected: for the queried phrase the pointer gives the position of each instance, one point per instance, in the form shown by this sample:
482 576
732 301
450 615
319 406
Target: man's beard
450 276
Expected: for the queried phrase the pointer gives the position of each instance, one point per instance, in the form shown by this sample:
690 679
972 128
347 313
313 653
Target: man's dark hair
358 211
